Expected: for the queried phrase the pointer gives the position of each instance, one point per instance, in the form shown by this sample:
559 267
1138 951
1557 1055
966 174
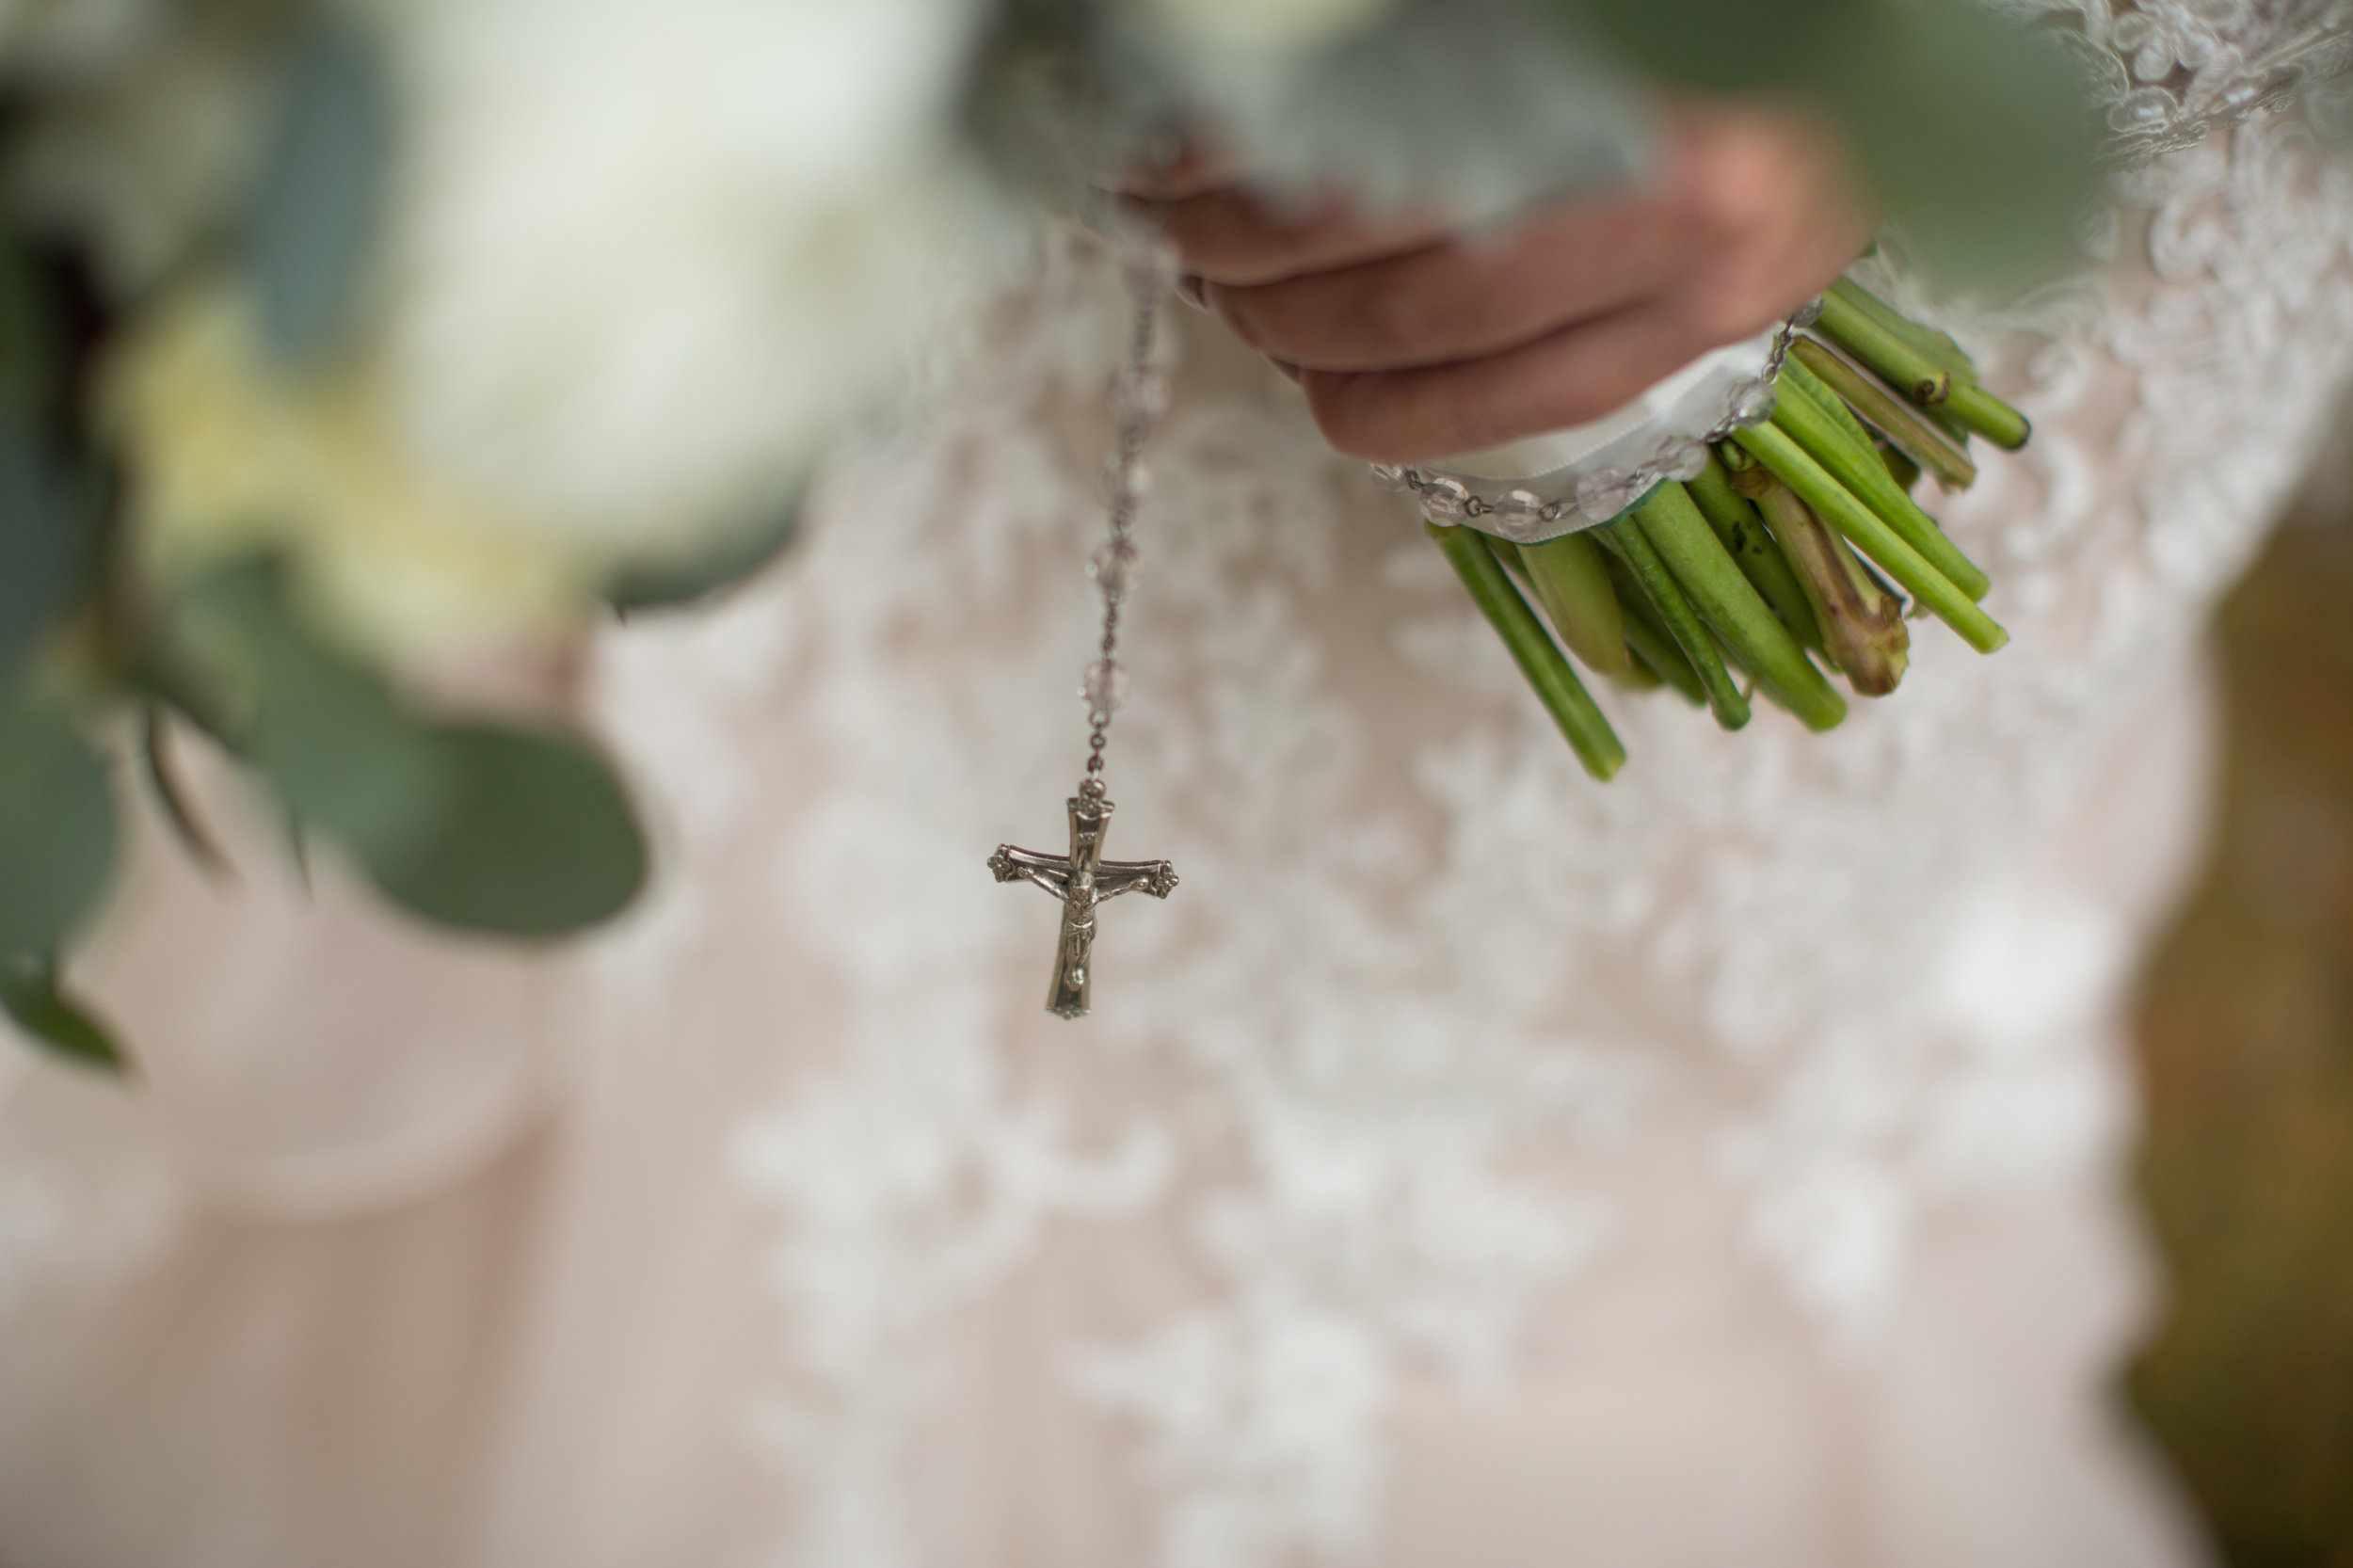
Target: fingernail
1193 291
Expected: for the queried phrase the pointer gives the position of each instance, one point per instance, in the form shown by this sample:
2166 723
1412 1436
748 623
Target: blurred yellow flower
230 454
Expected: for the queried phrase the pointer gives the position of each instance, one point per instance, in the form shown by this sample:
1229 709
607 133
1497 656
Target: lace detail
2171 72
1377 1090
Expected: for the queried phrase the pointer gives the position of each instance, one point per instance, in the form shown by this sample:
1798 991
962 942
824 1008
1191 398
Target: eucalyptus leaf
57 836
670 585
1717 45
180 814
537 839
468 825
37 543
323 178
1976 131
45 504
30 995
32 336
344 756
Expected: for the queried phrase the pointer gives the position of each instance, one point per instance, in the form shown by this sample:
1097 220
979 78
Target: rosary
1720 523
1083 879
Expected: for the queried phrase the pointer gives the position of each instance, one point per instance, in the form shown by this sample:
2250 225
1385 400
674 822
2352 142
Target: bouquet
1748 562
339 345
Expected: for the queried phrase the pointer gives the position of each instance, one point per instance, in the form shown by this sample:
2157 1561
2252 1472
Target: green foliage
535 839
37 576
56 823
30 995
340 751
468 825
322 182
45 512
1973 130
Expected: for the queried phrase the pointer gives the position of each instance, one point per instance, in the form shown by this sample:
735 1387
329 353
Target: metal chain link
1461 502
1139 394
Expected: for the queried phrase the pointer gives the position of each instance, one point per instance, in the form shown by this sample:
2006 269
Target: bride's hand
1412 342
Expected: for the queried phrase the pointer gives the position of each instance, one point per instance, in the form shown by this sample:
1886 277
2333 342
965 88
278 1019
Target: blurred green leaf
156 750
468 825
32 351
1716 45
48 505
30 995
341 751
672 586
36 551
1977 134
323 181
537 841
56 823
1975 130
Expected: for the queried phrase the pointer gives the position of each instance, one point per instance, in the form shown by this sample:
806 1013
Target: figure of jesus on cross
1081 880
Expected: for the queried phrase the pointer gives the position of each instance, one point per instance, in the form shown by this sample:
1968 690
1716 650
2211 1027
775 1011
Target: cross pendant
1081 880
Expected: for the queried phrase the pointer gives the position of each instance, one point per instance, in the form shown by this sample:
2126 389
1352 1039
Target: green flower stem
1828 403
1862 620
1974 409
1849 456
1921 377
1657 584
1573 586
1911 372
1905 428
1935 345
1589 733
1712 581
1906 472
1637 677
1777 451
1647 636
1760 559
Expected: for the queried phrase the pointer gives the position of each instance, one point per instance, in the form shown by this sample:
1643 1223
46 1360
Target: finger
1473 298
1572 377
1230 236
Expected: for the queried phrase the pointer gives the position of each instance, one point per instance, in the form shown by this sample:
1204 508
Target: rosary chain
1449 498
1139 394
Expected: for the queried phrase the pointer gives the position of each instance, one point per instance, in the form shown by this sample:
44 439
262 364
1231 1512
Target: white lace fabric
1470 1163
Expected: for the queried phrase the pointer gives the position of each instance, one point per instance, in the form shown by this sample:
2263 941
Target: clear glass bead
1753 403
1390 477
1126 482
1139 395
1518 512
1445 500
1114 566
1104 686
1605 492
1685 463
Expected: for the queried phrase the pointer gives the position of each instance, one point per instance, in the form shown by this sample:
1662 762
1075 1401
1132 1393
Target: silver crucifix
1081 880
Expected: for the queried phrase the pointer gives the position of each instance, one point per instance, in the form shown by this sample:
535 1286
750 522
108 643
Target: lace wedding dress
1469 1165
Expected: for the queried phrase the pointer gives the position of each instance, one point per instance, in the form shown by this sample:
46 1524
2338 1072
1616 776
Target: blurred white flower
652 252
